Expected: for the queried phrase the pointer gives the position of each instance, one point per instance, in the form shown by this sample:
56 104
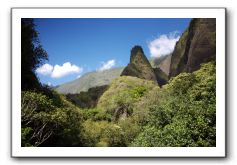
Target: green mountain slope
122 93
89 80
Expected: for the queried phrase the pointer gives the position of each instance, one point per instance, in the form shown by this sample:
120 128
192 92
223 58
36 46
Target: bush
25 136
96 114
44 124
102 133
130 129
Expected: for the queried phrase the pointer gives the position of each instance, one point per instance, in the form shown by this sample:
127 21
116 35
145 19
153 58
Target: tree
32 55
44 123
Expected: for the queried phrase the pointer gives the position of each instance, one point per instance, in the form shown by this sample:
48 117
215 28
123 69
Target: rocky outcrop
197 45
139 66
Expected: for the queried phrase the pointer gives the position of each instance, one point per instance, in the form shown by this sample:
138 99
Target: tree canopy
32 54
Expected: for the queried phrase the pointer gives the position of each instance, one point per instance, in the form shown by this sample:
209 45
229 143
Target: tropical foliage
184 114
132 112
46 124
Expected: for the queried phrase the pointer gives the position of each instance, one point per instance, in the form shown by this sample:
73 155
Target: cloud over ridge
163 44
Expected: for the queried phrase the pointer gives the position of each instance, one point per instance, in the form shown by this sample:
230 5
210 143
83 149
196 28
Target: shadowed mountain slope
197 45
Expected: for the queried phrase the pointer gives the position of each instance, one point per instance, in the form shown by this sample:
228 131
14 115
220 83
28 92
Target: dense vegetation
49 121
183 113
139 113
130 111
87 99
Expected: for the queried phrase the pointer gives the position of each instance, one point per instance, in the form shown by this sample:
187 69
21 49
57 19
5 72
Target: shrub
147 138
102 133
96 114
130 129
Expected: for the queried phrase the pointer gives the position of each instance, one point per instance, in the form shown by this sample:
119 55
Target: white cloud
45 69
107 65
66 69
58 71
78 76
164 44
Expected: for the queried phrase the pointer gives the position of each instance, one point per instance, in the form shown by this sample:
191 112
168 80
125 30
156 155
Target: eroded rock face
139 66
197 45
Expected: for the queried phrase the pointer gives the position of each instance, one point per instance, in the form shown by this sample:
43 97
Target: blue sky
78 46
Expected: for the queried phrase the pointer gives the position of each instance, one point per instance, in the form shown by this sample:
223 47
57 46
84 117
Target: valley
165 102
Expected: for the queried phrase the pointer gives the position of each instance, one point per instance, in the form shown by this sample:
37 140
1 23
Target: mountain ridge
89 80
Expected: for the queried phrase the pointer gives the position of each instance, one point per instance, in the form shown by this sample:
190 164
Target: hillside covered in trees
166 103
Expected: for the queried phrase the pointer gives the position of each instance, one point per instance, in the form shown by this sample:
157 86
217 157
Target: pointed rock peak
135 50
139 65
138 56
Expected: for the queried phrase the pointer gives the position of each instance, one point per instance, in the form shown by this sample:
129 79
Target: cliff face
139 66
196 45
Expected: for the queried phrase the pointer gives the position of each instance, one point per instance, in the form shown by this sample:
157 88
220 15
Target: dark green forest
136 109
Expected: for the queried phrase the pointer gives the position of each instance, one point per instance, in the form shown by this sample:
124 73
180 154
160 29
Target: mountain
89 80
197 45
162 62
139 66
